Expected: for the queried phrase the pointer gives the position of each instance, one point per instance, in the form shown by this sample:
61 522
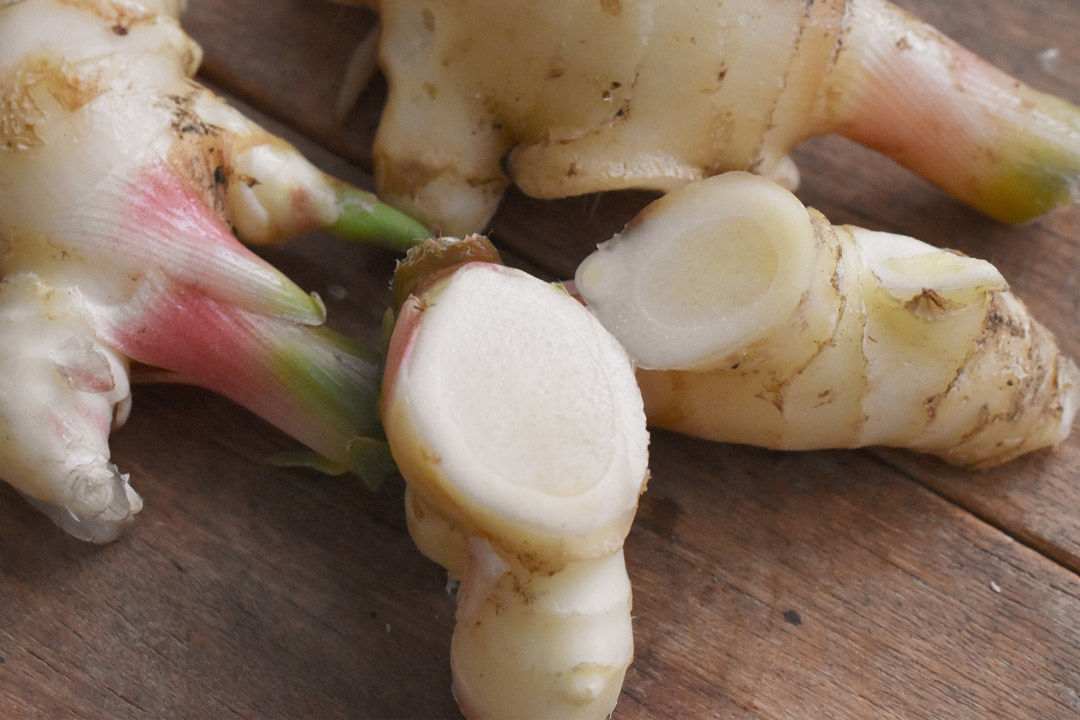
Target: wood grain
874 584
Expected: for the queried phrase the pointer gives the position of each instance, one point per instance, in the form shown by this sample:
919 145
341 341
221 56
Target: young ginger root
754 320
516 422
581 97
121 181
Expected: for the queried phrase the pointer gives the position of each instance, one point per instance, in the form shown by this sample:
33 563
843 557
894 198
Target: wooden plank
287 57
767 585
1034 499
243 590
814 586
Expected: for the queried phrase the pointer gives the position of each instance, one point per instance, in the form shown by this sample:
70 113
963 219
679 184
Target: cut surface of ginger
524 427
686 283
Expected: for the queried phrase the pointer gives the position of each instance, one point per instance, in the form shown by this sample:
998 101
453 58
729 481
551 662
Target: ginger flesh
517 424
834 336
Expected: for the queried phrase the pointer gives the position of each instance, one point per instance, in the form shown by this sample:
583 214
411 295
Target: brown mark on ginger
826 397
427 17
435 259
675 411
430 456
524 589
185 120
114 14
535 562
305 209
928 305
933 402
611 7
202 154
1023 353
980 424
403 177
69 85
1000 320
774 395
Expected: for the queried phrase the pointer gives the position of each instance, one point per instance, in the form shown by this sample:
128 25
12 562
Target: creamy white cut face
702 272
526 409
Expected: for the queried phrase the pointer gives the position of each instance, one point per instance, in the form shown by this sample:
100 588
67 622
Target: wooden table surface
868 584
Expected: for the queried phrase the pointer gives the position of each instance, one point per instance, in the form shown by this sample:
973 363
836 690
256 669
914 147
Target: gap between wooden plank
1031 540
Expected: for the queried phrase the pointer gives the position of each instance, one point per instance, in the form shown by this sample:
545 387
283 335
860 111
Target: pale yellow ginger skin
90 93
91 89
120 178
518 426
754 320
578 97
530 643
76 390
